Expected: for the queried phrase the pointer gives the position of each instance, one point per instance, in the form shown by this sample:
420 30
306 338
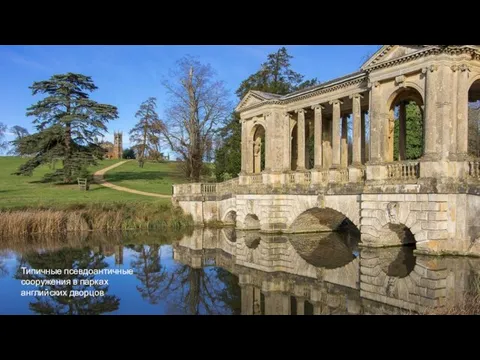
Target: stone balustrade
209 188
474 169
403 170
256 181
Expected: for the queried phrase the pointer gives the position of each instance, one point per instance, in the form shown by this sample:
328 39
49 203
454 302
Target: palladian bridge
361 167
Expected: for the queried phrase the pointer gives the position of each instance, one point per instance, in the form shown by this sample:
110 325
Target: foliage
128 153
68 123
145 135
228 155
92 217
19 132
146 265
198 104
275 76
3 129
414 133
60 303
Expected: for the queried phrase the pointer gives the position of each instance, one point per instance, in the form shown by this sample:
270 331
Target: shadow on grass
144 175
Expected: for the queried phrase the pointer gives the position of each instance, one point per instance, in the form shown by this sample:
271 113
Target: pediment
250 99
391 52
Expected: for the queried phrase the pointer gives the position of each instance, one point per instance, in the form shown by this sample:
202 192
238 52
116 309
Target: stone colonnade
435 77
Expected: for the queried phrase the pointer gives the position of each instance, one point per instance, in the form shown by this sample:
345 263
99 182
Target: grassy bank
154 177
81 218
17 192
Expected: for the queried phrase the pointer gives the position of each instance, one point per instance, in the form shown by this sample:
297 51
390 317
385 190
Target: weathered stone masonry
436 196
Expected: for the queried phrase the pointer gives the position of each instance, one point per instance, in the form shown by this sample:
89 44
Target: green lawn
153 177
21 191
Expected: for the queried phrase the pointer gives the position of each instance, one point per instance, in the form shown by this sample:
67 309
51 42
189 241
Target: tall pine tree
145 135
275 76
68 122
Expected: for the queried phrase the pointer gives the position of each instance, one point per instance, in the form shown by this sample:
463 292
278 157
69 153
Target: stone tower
117 145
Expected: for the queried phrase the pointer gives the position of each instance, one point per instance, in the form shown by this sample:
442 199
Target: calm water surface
226 272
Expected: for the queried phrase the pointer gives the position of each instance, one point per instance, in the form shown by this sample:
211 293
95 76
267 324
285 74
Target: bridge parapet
408 171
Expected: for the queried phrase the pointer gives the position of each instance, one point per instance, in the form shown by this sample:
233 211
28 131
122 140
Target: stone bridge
361 168
301 274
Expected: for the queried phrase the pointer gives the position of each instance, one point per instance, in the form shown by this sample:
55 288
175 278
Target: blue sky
127 75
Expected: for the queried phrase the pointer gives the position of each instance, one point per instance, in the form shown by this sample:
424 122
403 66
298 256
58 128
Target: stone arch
473 145
396 276
257 138
317 219
473 80
230 217
230 234
328 250
251 222
396 224
398 136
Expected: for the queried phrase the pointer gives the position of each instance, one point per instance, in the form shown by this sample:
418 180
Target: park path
98 178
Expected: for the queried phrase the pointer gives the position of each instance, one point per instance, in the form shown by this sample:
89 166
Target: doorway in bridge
406 126
258 149
474 119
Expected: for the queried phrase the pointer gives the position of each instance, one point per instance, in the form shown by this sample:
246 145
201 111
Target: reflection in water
236 272
148 270
67 258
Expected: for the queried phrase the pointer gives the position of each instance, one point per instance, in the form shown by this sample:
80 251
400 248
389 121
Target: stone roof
265 95
321 85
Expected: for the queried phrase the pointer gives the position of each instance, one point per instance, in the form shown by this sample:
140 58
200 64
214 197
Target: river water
228 272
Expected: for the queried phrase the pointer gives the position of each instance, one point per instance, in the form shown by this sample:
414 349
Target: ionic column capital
336 102
300 111
430 68
464 67
356 96
317 107
373 84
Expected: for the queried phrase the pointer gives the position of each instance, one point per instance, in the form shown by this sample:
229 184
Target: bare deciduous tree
198 104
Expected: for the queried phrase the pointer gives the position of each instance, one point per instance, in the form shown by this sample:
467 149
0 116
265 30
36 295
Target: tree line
199 126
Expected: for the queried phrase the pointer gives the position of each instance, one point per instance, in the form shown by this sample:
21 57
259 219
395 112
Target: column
377 118
344 142
402 136
257 301
246 291
300 306
318 135
363 143
336 133
430 110
268 141
287 152
358 130
244 151
327 143
462 110
301 139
